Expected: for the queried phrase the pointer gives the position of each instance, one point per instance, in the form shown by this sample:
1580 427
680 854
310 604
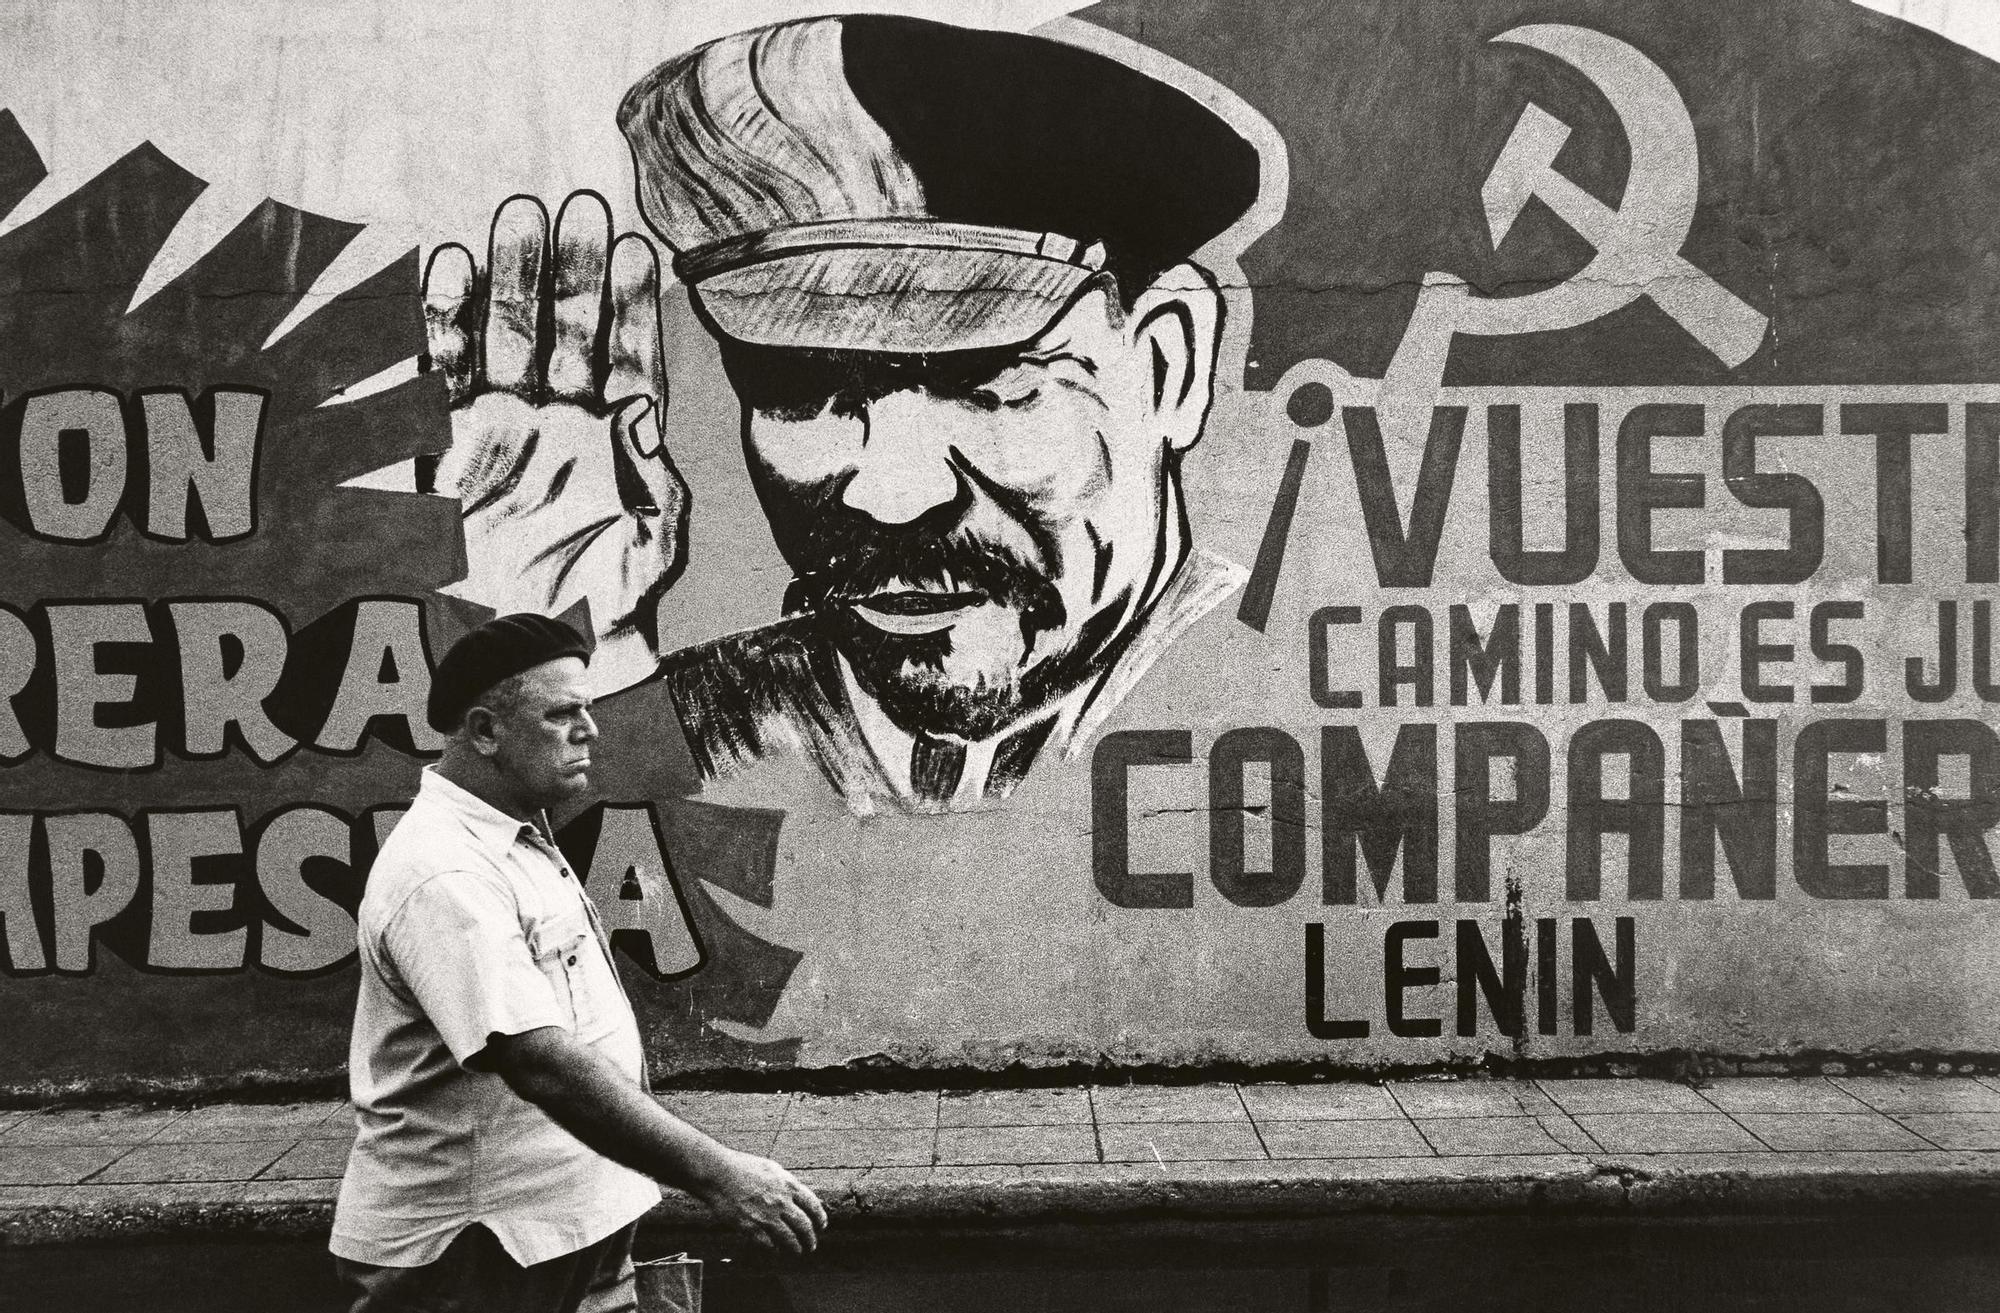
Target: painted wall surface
1338 531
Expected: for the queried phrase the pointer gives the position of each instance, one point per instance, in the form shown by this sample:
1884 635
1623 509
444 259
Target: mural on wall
963 422
1361 534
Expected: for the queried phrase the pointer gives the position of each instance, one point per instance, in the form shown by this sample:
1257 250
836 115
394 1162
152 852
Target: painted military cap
892 184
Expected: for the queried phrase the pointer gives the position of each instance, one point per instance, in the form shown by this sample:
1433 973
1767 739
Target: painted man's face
976 529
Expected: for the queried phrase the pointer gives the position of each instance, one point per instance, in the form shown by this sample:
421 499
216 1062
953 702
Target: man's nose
905 467
586 728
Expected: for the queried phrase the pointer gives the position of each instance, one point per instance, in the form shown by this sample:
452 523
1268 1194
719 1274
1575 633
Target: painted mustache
971 569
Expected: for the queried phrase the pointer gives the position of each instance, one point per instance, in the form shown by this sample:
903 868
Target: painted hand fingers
649 483
516 263
582 239
636 368
451 319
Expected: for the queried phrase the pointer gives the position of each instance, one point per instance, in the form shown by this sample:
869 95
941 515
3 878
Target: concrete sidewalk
1001 1156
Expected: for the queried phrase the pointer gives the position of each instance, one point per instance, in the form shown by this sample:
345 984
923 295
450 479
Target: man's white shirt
473 925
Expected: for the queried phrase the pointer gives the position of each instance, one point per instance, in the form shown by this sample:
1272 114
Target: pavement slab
975 1145
1799 1132
1319 1102
1611 1095
310 1159
226 1121
239 1160
1921 1094
1344 1139
1779 1094
1162 1141
1009 1156
1168 1103
1669 1132
714 1110
91 1126
1494 1098
99 1197
1050 1107
879 1146
1956 1130
55 1164
1564 1130
337 1124
312 1192
1471 1136
903 1109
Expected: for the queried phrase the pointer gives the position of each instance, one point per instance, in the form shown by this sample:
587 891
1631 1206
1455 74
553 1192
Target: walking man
507 1144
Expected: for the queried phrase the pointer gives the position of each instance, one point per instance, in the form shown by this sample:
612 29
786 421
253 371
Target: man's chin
565 787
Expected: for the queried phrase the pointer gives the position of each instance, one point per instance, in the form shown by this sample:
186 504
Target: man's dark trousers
475 1275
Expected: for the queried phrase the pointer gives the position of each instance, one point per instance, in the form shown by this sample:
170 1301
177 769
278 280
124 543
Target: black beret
500 648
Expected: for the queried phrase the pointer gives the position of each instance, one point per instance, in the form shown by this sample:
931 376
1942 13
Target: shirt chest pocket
559 943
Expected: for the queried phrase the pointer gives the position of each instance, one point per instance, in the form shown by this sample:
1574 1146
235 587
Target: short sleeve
456 943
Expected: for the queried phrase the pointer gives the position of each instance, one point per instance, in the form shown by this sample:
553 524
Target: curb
1563 1185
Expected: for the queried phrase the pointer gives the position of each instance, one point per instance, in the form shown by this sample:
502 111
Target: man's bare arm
593 1100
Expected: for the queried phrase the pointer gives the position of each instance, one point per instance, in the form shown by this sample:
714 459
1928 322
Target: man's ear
481 731
1177 325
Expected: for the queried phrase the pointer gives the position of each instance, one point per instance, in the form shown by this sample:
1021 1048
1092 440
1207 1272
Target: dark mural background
1847 177
1840 190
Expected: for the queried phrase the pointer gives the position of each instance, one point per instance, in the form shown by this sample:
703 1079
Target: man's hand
763 1201
557 389
584 1093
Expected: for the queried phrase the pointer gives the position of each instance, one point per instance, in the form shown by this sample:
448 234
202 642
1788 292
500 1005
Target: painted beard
969 680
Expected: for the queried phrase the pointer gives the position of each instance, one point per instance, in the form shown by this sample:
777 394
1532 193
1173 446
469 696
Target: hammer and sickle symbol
1637 244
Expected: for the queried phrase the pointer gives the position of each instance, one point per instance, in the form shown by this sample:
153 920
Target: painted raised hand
558 460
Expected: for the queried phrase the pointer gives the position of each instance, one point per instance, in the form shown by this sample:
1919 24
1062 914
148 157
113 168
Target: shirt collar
494 829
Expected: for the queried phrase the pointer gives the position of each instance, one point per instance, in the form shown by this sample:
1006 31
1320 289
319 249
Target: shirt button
572 959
